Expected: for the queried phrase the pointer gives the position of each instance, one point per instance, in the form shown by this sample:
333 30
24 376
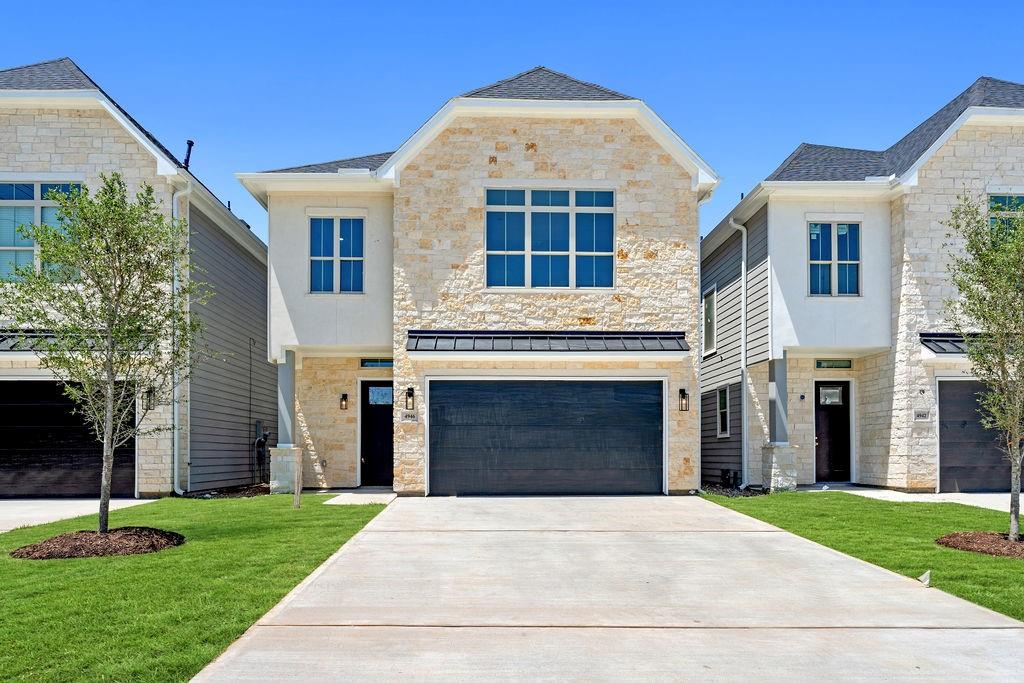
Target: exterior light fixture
149 399
684 400
410 399
344 401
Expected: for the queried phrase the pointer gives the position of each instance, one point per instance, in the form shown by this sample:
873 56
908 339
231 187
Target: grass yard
900 537
161 616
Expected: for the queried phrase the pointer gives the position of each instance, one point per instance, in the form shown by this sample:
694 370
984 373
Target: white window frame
719 412
713 292
37 205
528 252
835 262
336 258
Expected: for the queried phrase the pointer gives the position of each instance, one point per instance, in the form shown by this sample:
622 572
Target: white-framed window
336 255
24 203
833 259
722 411
550 238
708 329
1004 208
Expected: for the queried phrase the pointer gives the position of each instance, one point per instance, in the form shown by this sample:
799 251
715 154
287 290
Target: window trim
718 412
712 290
37 204
528 209
997 215
335 216
835 261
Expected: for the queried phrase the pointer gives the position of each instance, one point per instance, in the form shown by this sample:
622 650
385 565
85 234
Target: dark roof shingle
820 162
56 74
369 161
541 83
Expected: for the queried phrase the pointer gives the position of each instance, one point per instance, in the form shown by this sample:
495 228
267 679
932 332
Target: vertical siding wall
237 386
721 269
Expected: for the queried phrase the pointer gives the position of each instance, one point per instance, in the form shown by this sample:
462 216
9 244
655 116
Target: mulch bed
987 542
126 540
233 492
731 492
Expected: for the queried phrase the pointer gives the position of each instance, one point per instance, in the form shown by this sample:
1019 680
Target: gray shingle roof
820 162
541 83
541 341
369 161
57 74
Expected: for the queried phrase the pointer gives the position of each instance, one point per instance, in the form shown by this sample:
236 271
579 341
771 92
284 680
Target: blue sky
261 86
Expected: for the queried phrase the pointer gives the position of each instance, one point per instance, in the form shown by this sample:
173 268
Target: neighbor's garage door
46 449
545 437
969 455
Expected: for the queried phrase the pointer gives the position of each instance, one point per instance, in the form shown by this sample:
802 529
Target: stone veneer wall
328 435
90 142
976 159
439 256
758 419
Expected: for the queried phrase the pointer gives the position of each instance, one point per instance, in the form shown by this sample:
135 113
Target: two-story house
831 359
58 128
502 305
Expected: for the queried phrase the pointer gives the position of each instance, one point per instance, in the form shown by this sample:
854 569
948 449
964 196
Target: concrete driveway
16 512
609 588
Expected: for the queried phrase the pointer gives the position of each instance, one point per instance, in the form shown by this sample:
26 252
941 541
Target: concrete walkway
992 501
16 513
608 589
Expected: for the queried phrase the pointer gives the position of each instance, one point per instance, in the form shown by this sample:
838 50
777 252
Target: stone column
284 458
778 467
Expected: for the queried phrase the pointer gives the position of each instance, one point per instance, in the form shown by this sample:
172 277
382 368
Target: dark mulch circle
233 492
126 540
732 492
987 542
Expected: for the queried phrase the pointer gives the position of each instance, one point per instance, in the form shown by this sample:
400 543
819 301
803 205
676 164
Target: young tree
988 270
111 298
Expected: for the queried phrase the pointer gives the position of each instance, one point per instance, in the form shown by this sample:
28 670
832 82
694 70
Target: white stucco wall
354 322
835 322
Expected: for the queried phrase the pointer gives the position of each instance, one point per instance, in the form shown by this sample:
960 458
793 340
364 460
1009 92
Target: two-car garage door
545 436
47 450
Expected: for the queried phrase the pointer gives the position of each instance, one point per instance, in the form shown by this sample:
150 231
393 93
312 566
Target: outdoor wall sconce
149 399
344 401
410 399
684 400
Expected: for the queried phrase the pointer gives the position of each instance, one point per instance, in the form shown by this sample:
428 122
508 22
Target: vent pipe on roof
188 152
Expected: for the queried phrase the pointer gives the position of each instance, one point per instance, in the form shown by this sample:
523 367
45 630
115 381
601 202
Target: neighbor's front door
376 428
832 431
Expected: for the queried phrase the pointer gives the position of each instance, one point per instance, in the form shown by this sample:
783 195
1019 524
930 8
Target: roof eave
260 185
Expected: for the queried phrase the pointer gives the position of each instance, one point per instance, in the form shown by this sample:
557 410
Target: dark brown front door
376 429
832 431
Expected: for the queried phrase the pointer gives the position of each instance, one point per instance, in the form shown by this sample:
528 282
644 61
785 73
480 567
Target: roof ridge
502 81
541 68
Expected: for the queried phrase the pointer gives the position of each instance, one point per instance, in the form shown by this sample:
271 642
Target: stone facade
328 435
84 144
439 256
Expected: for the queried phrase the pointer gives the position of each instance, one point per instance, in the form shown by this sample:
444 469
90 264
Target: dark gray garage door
969 455
545 437
46 450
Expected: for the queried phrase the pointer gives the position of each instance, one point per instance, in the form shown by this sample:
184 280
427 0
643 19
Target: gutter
176 397
743 349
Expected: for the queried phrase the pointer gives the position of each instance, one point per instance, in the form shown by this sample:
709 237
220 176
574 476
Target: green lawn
900 537
161 616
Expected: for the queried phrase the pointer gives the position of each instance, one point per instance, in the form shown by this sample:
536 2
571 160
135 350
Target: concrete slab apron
509 588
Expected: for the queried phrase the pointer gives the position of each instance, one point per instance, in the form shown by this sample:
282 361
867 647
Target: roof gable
57 74
824 163
541 83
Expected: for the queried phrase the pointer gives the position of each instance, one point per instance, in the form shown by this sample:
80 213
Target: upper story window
550 238
709 333
336 255
24 203
834 259
1004 208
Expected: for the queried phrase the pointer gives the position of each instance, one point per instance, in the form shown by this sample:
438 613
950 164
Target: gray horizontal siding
721 269
718 455
236 386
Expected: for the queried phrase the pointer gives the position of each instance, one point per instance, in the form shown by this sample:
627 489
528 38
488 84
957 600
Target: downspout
176 395
743 349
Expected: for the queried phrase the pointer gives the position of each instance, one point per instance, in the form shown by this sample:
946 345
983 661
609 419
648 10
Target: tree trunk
108 452
1015 493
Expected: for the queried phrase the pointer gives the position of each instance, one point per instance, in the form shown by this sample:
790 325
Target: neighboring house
850 369
502 305
59 128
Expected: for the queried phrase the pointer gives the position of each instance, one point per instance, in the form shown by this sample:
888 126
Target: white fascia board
232 226
260 185
743 210
572 356
703 175
1006 116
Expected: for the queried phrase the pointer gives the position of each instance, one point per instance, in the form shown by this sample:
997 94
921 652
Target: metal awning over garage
445 343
